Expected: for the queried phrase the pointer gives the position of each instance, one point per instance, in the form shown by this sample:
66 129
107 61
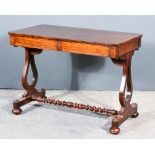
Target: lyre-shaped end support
29 88
126 90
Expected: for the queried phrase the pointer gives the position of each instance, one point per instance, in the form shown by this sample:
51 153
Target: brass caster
115 130
16 111
135 115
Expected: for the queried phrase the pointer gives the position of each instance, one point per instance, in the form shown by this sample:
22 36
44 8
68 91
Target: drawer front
65 46
89 49
33 42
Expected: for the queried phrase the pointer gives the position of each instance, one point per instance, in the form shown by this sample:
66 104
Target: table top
92 36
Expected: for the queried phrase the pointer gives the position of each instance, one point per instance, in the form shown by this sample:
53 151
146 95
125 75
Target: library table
118 46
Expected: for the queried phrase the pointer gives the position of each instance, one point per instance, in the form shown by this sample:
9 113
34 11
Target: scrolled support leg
30 89
126 89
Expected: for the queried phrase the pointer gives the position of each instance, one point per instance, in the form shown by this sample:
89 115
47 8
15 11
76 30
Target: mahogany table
118 46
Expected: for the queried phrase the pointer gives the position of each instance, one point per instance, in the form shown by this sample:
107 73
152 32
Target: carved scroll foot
115 124
115 130
16 111
123 115
26 98
135 115
20 102
135 107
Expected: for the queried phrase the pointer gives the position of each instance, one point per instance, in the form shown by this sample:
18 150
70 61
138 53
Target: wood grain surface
76 40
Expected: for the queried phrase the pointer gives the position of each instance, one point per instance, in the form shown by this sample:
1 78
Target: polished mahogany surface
92 36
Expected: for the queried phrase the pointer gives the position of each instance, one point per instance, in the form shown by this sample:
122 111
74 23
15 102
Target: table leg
32 94
30 89
126 89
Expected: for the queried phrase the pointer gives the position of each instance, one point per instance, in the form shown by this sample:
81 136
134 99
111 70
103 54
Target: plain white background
77 7
70 147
